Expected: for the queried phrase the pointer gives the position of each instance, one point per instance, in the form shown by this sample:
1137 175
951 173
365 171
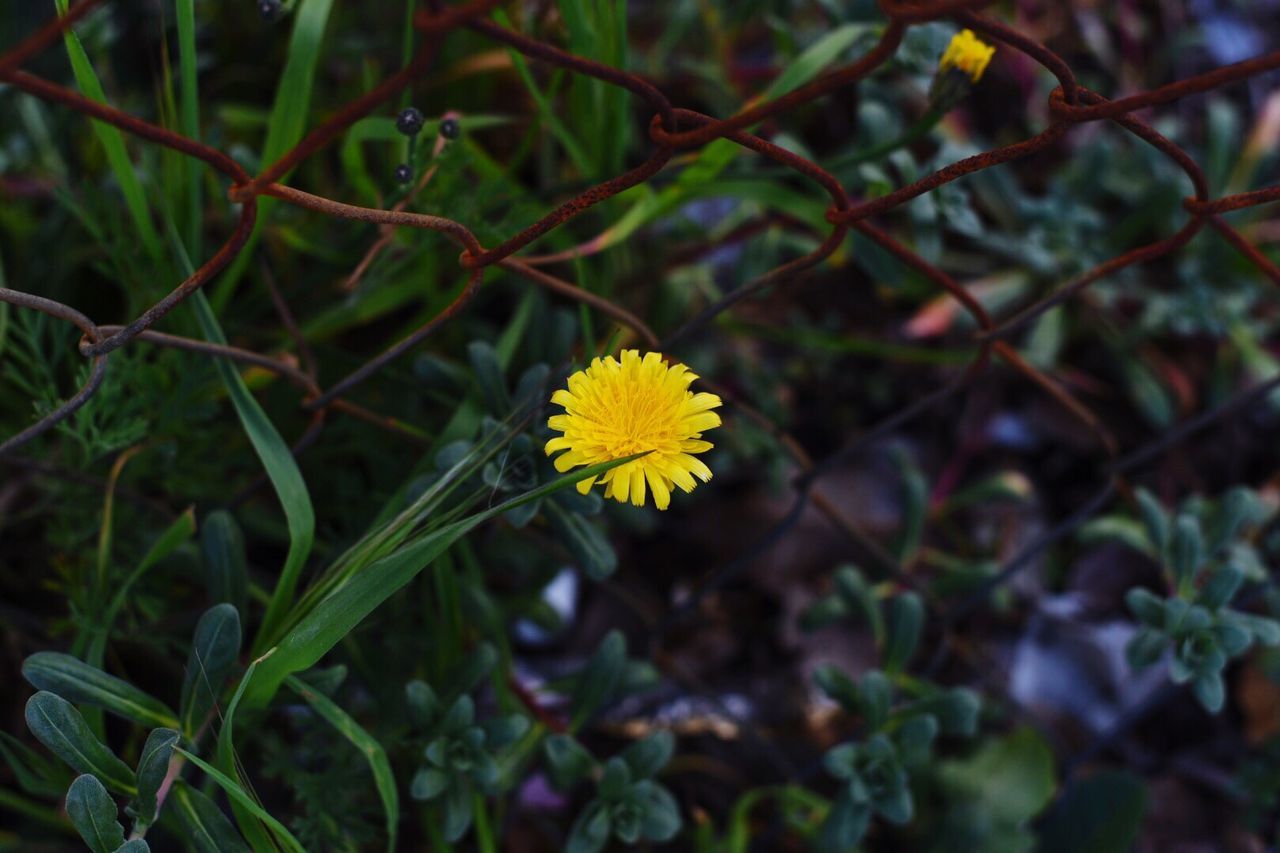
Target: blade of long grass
281 467
545 110
275 455
246 818
189 105
287 122
336 616
384 780
239 795
135 197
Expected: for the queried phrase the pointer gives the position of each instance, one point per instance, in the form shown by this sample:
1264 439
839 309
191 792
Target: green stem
484 832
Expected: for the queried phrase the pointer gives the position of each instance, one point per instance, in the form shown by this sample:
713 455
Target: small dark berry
410 121
449 128
403 174
269 9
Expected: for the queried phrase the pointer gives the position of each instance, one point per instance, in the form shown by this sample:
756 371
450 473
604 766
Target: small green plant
874 771
1207 557
461 755
628 804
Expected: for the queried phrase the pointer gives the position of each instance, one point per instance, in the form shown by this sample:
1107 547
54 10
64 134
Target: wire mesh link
673 129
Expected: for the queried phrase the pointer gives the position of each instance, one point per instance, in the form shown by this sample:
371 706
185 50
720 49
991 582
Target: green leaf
288 119
76 681
428 783
897 807
1232 638
206 827
1115 528
956 710
1154 518
1221 587
615 780
457 811
238 794
823 612
503 731
568 762
336 615
153 766
1185 549
846 822
94 814
1101 814
915 505
112 139
277 459
903 623
859 598
834 682
383 778
59 726
1232 514
1146 605
423 704
915 738
37 775
661 819
841 761
589 546
1145 648
1264 629
226 570
1209 690
253 828
647 756
213 654
489 378
874 696
599 678
590 832
136 845
1010 779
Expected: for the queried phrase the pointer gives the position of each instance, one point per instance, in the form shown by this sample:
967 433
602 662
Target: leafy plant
1206 556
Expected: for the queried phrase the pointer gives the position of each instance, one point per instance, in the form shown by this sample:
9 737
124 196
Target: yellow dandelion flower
968 53
637 405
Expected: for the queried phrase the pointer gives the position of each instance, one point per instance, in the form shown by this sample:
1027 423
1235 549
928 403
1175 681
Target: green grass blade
189 104
288 119
337 615
383 778
135 198
545 110
246 818
239 795
282 469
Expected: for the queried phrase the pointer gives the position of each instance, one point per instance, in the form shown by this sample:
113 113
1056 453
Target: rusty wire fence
671 130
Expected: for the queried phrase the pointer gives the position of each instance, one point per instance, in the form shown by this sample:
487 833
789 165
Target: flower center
639 420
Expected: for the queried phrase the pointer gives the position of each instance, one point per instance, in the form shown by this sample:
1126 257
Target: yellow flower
968 53
615 409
